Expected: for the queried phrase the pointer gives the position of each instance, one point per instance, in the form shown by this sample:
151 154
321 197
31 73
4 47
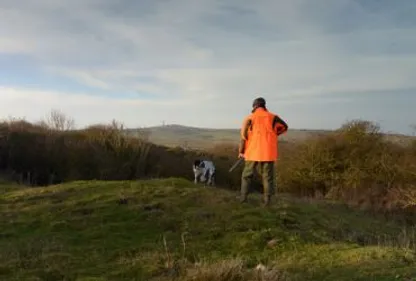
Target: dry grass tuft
232 270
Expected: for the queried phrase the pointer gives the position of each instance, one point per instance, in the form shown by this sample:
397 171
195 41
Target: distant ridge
189 128
198 137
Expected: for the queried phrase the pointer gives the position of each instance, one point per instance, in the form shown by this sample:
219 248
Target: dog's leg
213 180
207 176
205 180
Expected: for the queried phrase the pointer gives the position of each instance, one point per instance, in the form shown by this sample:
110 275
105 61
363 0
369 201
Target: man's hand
279 126
280 129
240 155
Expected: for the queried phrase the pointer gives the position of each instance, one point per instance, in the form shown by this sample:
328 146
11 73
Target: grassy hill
192 137
178 135
165 229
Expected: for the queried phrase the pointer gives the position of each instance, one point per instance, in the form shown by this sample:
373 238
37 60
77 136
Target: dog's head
198 167
197 162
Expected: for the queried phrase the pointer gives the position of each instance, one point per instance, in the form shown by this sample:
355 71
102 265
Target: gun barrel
238 162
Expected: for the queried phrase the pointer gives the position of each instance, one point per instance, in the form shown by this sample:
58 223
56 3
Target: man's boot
243 193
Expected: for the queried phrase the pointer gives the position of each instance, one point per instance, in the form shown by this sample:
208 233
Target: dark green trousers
266 171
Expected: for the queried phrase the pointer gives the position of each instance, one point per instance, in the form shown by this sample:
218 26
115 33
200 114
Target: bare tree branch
58 121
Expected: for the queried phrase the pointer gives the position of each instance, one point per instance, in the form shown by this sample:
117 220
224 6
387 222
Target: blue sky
201 62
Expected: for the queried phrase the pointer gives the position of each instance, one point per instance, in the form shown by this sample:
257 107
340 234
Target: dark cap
259 102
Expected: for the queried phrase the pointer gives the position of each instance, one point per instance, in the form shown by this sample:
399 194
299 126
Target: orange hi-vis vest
260 136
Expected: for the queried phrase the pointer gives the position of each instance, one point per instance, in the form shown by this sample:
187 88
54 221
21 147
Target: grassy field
200 138
167 229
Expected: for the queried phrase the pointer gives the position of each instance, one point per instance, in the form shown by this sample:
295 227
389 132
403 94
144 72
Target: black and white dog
204 171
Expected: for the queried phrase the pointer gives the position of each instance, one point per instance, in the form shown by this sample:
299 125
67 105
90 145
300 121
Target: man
204 170
259 148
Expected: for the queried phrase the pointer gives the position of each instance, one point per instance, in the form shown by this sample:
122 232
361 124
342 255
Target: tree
56 120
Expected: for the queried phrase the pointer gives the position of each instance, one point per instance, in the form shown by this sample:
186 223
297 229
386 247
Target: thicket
50 153
354 164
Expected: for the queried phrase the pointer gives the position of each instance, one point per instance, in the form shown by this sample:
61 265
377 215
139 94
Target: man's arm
279 125
244 135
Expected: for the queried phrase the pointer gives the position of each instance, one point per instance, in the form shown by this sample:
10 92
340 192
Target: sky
201 63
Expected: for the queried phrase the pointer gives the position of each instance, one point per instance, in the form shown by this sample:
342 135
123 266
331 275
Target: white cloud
33 104
202 53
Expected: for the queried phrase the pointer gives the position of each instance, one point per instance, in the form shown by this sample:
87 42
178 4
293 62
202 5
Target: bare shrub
224 150
38 155
354 164
57 120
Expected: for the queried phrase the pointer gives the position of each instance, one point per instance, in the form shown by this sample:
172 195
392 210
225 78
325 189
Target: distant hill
193 137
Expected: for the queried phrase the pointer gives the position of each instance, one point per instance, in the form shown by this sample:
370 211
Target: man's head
259 102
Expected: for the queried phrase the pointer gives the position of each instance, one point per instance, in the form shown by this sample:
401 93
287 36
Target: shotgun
238 162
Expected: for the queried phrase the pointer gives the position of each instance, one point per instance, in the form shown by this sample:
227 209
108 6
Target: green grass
79 231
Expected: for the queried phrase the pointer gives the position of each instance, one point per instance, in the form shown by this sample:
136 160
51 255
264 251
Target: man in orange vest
259 148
